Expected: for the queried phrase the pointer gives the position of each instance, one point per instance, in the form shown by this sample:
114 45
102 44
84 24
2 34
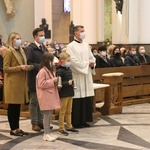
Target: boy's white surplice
81 55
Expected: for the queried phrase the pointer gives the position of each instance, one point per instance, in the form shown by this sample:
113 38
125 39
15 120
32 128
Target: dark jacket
100 63
66 75
131 60
34 56
116 61
1 63
141 58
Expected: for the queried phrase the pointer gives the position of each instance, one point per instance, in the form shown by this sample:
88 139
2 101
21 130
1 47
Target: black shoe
62 132
72 130
16 133
86 125
78 126
22 132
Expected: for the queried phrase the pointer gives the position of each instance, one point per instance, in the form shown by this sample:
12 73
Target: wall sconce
119 5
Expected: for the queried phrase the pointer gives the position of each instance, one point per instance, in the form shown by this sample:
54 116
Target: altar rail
136 82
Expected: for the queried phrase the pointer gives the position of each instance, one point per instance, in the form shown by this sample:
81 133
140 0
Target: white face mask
133 52
104 53
143 51
82 35
41 39
95 54
18 42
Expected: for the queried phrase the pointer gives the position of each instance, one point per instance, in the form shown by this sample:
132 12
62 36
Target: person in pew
110 51
2 50
82 66
101 59
123 51
143 57
15 81
95 51
116 60
131 59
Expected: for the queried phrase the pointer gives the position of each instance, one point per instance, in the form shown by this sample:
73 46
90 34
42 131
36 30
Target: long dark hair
47 61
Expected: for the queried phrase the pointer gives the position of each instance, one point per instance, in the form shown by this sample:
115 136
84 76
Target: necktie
41 47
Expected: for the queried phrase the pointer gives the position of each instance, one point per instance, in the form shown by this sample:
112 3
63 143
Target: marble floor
127 131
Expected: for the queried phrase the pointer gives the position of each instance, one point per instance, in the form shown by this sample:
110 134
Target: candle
75 84
59 82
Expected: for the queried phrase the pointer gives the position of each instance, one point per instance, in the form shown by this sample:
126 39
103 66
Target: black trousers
82 111
13 114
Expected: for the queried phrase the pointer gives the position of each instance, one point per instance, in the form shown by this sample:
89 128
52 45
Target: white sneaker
53 135
48 137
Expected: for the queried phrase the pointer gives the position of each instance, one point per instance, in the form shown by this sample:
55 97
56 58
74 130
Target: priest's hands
91 63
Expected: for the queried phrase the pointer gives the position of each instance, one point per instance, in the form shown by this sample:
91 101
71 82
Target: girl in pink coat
47 93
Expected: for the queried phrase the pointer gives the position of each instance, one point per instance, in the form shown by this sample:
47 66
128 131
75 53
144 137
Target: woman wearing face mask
15 79
131 59
143 57
116 60
101 59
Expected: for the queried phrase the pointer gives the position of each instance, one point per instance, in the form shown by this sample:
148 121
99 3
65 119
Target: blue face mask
41 39
82 35
18 42
67 64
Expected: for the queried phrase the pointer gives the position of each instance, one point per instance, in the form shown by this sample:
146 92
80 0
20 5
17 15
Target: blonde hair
111 48
10 39
63 56
64 50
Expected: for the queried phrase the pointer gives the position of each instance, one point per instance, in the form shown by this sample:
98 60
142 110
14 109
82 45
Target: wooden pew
136 82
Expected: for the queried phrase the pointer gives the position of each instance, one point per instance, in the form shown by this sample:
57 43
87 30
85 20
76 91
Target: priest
82 66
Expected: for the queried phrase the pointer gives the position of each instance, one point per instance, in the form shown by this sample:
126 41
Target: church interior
121 101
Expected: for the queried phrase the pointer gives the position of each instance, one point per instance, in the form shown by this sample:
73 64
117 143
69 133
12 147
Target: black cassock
82 111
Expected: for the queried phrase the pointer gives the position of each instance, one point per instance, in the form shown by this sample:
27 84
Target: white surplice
81 55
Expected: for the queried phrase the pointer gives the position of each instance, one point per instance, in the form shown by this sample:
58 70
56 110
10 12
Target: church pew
136 82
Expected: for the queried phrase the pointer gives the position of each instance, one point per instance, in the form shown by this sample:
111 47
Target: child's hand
70 82
55 80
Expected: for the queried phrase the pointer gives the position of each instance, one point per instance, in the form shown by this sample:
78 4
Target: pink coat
47 92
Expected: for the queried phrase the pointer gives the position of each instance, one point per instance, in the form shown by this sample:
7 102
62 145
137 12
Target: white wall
144 21
84 13
135 25
22 22
43 9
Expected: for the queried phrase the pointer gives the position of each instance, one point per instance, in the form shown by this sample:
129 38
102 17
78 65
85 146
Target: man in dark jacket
131 59
143 57
34 54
